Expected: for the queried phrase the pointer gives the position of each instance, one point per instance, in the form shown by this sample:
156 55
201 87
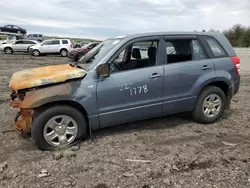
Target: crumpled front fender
30 100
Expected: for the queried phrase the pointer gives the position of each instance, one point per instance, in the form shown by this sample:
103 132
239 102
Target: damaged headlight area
23 119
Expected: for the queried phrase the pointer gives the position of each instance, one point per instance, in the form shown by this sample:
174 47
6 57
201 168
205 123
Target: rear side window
19 42
40 36
28 42
55 42
181 50
213 47
170 48
64 41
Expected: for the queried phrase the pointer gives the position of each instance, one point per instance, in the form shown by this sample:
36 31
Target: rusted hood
44 75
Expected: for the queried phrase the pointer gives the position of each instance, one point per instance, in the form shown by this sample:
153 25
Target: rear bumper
235 86
233 89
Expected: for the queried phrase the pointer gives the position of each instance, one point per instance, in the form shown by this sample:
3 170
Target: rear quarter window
65 41
213 47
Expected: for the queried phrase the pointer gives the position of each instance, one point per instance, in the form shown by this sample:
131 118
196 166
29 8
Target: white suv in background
53 46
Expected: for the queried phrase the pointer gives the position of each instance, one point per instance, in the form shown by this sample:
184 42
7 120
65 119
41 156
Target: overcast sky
104 18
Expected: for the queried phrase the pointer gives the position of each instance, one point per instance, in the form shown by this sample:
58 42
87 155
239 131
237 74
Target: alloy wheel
8 51
60 131
212 106
36 53
64 53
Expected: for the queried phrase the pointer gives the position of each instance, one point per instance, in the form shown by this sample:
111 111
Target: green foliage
238 35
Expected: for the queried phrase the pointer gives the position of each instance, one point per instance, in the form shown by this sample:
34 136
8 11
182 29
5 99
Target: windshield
93 57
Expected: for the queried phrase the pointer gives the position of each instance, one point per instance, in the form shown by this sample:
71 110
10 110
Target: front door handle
205 67
155 75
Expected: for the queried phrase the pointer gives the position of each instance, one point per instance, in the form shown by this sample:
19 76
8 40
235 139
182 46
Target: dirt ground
180 152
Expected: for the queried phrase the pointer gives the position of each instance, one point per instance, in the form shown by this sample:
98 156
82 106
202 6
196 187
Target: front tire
210 105
58 127
8 50
36 53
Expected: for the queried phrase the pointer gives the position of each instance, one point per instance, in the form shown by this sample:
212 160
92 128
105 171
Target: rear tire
64 52
8 50
39 131
210 105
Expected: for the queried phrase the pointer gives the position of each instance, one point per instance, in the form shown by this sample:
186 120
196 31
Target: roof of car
136 35
25 40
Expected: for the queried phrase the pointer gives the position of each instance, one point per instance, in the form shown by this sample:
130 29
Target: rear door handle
205 67
155 75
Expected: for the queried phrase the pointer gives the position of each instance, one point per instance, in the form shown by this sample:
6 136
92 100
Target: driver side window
46 43
137 55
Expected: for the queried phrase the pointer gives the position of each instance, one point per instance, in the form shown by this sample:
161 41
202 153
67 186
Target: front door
45 46
186 67
133 90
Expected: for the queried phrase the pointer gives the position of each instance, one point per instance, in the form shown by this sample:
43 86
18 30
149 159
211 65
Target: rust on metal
23 121
44 75
26 97
33 97
29 100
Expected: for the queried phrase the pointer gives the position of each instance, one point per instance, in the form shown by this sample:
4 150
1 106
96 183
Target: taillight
71 46
236 62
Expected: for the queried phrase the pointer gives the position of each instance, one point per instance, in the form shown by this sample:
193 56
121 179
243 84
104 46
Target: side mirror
103 70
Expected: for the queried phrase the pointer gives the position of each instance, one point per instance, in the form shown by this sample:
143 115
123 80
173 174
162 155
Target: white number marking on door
124 87
139 90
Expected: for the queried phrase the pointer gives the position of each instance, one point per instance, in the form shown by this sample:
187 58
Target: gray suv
125 79
37 37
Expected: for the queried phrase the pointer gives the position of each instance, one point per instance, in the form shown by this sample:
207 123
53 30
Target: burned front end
36 87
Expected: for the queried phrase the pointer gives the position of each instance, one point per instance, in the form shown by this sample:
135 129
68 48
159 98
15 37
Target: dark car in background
79 45
76 53
13 29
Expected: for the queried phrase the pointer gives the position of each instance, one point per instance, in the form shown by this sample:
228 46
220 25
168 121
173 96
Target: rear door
27 44
186 67
134 93
55 45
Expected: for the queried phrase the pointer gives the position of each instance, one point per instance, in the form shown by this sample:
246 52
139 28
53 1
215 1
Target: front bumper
23 122
24 117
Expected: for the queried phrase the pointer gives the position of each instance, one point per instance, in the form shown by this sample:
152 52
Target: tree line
238 35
